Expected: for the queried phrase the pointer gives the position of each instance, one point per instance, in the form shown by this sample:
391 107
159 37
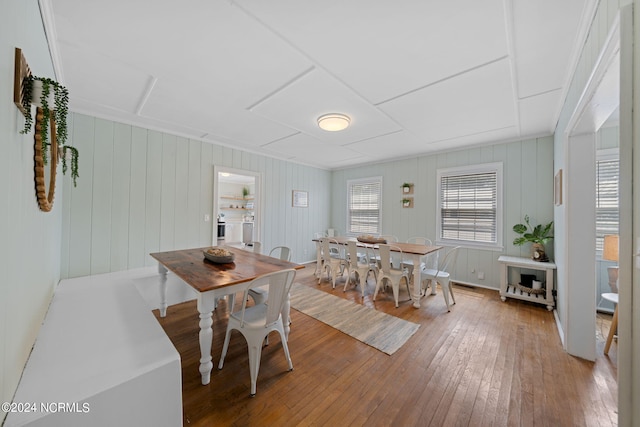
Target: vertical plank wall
528 189
143 191
29 238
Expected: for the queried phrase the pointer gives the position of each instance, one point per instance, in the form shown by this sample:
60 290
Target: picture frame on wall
557 188
300 199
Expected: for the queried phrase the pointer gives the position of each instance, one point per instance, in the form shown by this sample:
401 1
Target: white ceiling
415 76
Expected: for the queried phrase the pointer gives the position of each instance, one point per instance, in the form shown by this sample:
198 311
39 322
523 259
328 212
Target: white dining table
417 254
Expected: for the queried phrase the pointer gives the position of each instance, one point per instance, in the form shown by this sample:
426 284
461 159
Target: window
470 206
607 209
364 202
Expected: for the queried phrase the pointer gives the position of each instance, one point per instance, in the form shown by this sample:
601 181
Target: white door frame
258 200
587 118
599 99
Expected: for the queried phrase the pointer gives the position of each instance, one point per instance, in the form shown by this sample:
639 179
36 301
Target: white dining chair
333 266
442 275
282 252
416 241
391 275
360 264
257 321
260 294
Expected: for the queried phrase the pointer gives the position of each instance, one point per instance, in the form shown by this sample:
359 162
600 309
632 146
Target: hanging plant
74 161
47 90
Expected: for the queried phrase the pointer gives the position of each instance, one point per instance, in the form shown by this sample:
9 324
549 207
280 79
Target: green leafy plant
60 112
538 234
245 192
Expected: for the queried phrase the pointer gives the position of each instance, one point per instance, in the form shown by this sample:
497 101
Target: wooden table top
204 275
407 248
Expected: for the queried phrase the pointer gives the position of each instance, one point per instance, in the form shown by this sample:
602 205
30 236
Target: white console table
508 290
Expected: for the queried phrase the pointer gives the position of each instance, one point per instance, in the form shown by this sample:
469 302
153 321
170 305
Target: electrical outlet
480 275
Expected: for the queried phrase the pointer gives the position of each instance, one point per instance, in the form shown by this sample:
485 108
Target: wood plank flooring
485 363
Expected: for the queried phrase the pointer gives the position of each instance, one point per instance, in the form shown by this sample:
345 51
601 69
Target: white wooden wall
143 191
528 189
29 238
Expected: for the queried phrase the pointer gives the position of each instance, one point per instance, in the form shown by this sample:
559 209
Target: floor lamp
610 253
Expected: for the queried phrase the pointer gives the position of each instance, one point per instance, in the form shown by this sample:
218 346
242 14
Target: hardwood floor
486 362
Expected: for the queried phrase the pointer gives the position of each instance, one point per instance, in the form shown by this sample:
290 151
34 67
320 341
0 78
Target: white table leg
206 305
417 283
163 289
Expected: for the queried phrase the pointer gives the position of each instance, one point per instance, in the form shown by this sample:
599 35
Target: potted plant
245 192
406 203
53 99
406 187
538 236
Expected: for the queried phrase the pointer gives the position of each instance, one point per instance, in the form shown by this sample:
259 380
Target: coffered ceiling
415 76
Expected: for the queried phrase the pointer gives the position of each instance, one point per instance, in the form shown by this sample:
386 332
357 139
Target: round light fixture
334 122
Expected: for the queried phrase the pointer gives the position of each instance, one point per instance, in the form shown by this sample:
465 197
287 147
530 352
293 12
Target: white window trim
468 170
350 182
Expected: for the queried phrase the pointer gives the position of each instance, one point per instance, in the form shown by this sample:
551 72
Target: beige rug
379 330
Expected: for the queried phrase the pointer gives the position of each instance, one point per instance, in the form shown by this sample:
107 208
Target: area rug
379 330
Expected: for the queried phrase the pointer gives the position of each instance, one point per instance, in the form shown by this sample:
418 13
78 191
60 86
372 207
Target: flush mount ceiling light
334 122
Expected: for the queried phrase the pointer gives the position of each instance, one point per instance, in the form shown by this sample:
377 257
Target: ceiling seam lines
151 82
316 64
508 25
435 82
281 88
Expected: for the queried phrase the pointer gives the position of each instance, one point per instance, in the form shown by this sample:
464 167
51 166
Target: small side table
614 322
512 291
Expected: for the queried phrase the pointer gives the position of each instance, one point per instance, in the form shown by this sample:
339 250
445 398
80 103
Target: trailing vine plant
74 162
60 112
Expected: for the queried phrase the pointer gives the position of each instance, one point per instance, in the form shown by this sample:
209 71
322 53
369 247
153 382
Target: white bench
100 359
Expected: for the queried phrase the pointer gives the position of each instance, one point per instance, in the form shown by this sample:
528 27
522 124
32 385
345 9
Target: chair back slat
279 284
352 247
282 252
449 260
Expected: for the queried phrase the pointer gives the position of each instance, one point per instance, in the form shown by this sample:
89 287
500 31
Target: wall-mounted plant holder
44 196
407 202
21 72
51 100
407 188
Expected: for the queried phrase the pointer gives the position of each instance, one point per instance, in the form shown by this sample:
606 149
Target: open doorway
598 105
237 206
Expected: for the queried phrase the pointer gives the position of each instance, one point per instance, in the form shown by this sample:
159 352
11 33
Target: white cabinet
233 232
512 290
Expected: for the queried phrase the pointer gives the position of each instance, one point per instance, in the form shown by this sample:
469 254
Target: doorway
237 206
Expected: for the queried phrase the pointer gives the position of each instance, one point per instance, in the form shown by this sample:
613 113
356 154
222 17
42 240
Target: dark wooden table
212 281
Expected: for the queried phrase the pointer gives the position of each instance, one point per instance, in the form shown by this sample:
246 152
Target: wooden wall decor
21 72
44 196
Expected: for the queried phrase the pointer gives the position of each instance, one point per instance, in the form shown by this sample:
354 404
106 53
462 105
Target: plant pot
538 253
36 94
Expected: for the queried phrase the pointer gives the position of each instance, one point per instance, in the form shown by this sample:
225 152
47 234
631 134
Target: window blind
607 199
468 206
364 207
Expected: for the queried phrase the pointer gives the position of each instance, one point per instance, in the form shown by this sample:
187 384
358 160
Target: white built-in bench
102 354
